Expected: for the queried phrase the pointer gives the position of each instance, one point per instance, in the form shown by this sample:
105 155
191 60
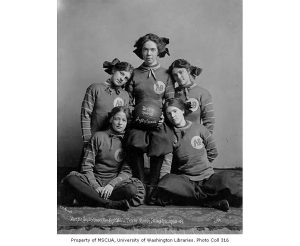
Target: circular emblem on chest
159 87
196 142
194 104
118 102
119 155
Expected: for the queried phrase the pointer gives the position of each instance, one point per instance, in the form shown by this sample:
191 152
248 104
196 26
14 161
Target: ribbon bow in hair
160 41
195 71
110 65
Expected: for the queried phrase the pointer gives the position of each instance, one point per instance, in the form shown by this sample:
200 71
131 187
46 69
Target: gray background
208 33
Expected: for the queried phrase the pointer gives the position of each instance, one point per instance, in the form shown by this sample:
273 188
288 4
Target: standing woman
105 180
196 97
192 179
150 82
101 98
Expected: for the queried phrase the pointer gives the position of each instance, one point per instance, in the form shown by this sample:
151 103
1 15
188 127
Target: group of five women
180 148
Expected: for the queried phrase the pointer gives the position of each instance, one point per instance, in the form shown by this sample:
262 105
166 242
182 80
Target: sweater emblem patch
196 142
194 104
118 102
119 155
159 87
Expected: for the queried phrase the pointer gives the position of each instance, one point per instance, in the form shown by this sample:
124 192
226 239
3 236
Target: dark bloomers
161 43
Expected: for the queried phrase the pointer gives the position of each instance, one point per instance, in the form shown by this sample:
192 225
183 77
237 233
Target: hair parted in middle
123 109
161 43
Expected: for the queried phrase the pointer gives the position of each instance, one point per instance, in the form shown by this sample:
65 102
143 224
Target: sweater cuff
95 186
115 181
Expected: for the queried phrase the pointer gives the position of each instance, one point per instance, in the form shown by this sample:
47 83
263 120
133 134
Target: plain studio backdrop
207 33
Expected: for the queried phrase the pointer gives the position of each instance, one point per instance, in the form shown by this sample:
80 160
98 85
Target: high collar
150 70
184 128
180 131
112 133
147 68
186 89
110 87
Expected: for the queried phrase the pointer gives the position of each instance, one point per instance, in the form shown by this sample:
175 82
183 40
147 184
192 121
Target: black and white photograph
149 122
149 117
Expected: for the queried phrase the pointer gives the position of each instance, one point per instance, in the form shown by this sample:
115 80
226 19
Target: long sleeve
207 111
88 162
211 147
166 165
169 91
125 173
86 113
130 90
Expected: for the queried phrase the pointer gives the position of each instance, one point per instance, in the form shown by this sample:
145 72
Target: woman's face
181 76
175 116
150 53
120 78
119 122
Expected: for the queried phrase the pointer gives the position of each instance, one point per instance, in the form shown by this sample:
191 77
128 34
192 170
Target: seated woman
105 180
192 179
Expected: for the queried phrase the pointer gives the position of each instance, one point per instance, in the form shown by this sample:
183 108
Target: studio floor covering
150 219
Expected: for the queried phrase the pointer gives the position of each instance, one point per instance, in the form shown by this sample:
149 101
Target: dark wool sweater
194 151
103 160
150 83
99 100
202 106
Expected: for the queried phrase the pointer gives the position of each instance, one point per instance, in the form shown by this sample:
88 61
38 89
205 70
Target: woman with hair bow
150 82
101 98
197 98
